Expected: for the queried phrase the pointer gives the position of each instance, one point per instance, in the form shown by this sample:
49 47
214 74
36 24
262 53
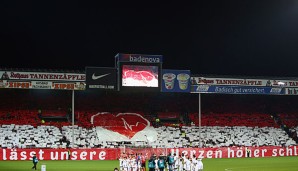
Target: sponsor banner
59 154
114 153
16 75
243 82
101 78
175 80
139 58
291 91
238 152
42 85
18 84
237 89
2 83
68 85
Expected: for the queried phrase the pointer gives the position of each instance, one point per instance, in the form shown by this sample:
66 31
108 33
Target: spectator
193 81
268 83
39 114
5 76
157 121
8 115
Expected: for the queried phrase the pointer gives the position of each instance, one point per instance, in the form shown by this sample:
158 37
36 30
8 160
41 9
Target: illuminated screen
139 76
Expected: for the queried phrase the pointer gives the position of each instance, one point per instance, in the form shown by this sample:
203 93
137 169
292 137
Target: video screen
139 76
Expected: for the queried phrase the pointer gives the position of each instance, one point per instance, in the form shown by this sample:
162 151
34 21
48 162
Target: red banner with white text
113 154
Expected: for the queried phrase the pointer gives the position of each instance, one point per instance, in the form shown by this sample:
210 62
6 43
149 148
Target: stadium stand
226 120
235 119
26 136
216 136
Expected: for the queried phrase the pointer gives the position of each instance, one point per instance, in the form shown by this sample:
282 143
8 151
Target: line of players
172 162
132 162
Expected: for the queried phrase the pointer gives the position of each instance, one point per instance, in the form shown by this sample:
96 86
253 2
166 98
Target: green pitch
241 164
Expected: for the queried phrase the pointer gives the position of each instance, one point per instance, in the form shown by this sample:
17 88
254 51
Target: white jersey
156 164
200 164
181 164
194 164
134 164
128 164
176 162
125 164
187 165
120 164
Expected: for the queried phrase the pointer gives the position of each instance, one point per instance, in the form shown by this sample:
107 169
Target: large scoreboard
139 72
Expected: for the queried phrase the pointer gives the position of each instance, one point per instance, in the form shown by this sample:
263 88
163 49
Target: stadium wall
113 154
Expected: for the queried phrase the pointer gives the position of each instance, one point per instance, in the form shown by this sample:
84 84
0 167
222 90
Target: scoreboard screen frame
157 67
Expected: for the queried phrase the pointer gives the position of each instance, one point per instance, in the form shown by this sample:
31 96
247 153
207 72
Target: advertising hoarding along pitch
7 154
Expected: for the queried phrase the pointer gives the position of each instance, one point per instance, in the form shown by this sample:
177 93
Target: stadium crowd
226 120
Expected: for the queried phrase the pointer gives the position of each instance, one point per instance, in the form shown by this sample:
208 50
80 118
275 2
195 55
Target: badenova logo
144 59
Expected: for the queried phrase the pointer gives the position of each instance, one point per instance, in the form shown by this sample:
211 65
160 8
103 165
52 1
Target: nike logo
94 77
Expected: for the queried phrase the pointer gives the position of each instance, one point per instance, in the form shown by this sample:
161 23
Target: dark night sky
232 37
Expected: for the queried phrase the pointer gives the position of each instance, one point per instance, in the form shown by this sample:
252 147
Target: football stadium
139 116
